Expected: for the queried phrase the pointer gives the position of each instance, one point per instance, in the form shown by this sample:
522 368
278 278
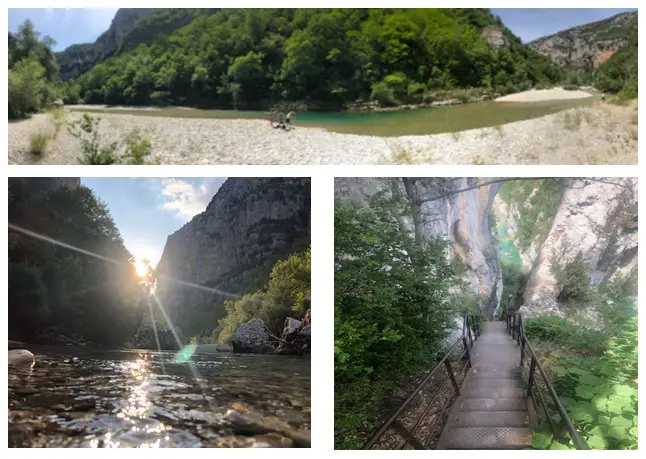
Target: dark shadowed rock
145 338
252 338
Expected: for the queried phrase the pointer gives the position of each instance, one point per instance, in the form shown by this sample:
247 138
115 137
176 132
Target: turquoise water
508 251
390 123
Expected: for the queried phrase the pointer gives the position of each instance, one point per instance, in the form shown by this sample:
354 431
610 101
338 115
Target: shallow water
509 253
76 397
389 123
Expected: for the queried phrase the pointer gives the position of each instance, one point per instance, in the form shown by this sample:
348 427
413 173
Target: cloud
188 199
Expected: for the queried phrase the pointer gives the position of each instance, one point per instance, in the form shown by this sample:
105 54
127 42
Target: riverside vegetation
389 323
313 58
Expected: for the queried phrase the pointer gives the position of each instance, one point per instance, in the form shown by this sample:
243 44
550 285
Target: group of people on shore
284 121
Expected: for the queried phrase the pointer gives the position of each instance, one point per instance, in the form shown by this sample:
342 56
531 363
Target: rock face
495 37
252 338
145 338
596 219
231 247
463 218
589 45
296 336
77 59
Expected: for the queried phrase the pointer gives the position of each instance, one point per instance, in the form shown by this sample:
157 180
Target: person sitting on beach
290 115
281 120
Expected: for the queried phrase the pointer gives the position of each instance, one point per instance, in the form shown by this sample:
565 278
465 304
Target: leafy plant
86 129
38 142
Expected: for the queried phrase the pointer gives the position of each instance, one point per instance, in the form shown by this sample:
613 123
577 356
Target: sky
148 210
532 23
70 26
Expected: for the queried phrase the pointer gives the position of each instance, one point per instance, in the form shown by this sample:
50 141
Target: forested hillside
250 58
55 291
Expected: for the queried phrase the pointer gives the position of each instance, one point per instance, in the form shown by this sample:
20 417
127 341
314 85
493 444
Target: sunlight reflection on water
136 412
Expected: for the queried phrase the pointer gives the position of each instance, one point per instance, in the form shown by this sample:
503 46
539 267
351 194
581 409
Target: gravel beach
538 95
601 134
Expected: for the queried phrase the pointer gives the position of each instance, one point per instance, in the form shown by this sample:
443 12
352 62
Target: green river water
388 123
508 251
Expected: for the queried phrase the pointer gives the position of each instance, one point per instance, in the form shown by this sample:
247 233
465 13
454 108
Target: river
79 397
421 121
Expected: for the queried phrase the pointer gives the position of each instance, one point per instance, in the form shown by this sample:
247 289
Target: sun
141 267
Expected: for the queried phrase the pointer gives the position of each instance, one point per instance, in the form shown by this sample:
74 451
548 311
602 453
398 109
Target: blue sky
148 210
69 26
532 23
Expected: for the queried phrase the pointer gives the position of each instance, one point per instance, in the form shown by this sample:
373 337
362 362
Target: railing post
449 370
466 347
513 327
470 336
532 371
406 435
520 327
522 350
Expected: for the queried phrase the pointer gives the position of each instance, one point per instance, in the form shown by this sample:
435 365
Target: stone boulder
252 338
145 338
296 336
21 358
290 328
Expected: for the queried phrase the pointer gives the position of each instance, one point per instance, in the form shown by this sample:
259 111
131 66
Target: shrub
86 129
137 150
570 87
26 86
161 98
573 280
38 142
416 92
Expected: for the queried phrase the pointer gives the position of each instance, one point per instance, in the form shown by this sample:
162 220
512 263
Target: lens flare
185 354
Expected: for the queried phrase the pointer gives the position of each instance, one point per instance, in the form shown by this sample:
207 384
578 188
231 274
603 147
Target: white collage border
322 228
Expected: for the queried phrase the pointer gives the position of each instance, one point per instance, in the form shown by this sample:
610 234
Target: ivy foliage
595 374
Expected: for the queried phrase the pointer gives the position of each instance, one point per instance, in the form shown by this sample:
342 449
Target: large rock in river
21 358
145 338
252 338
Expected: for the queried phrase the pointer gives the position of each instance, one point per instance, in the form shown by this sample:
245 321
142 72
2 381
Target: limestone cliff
597 219
463 218
589 45
80 58
249 225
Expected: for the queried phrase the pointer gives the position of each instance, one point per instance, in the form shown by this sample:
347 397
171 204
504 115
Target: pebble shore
601 134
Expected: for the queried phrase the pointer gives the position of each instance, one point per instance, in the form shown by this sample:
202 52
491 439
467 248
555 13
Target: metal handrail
467 342
516 328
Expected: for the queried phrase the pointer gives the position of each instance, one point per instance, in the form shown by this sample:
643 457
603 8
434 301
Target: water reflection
123 399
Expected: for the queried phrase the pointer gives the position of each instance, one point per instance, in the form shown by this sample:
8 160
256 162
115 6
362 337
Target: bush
38 142
390 311
86 129
384 95
573 280
26 87
416 92
570 87
137 150
161 98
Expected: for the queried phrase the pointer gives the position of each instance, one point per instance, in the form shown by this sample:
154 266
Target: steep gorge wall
463 218
596 219
249 225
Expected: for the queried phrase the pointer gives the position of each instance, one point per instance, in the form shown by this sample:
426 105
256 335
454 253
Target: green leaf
620 421
575 370
557 445
589 379
541 440
597 442
568 401
556 418
633 431
601 431
583 392
617 432
624 390
605 420
559 370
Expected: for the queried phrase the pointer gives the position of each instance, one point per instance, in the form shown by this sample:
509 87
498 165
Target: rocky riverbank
600 134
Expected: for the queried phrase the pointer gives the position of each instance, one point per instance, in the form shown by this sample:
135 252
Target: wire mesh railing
417 422
549 408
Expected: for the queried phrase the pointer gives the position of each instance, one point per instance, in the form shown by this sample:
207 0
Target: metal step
493 392
486 438
496 382
476 373
481 404
488 419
